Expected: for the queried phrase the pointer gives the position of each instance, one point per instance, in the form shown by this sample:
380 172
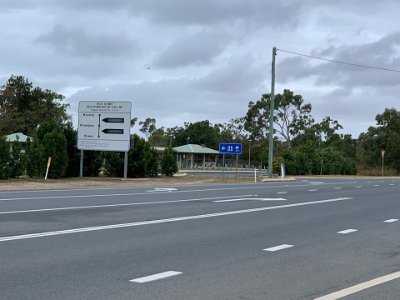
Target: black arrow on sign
113 120
113 131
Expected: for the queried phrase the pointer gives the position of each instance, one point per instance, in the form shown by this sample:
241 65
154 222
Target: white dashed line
277 248
392 184
155 277
281 193
338 188
250 199
376 185
313 190
358 186
347 231
390 221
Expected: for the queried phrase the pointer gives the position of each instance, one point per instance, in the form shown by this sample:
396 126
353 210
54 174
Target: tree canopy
23 107
291 116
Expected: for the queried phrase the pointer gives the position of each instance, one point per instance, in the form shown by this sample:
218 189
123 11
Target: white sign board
104 125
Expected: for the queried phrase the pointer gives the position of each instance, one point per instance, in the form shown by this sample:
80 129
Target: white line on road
146 193
391 184
161 221
376 185
313 190
359 287
277 248
338 188
358 186
155 277
390 221
157 190
347 231
282 193
116 205
250 199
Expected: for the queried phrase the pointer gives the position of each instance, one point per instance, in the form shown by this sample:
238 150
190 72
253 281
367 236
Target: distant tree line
302 144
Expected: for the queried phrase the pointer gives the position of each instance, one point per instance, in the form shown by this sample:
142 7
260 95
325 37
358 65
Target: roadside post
48 167
383 160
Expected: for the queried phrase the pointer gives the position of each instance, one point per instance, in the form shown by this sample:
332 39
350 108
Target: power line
340 62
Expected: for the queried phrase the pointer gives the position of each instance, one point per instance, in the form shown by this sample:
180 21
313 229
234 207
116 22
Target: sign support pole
223 164
126 165
81 165
237 162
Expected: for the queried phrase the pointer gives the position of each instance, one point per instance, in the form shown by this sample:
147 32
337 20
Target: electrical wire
340 62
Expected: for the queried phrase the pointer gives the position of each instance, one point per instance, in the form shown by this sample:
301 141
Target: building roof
20 137
193 148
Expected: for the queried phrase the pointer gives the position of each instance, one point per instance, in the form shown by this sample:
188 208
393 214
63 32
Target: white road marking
146 193
155 277
376 185
358 186
360 287
317 182
162 221
250 199
390 221
347 231
391 184
277 248
117 205
281 193
313 190
338 188
157 190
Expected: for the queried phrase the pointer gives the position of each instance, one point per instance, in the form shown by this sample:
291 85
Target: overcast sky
191 60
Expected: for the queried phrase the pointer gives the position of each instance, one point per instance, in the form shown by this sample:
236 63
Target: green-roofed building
196 156
18 137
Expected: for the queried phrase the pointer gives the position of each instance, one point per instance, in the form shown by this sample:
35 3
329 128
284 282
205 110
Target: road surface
311 239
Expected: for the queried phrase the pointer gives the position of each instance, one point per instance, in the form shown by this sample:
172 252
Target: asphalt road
289 240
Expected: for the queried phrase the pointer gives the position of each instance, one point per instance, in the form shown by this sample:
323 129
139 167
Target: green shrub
168 163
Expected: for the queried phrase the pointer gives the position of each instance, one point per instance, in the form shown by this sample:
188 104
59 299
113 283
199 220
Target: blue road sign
230 148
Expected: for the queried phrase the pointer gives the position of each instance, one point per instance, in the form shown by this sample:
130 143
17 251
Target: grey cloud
78 42
382 53
239 74
198 49
205 12
173 101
